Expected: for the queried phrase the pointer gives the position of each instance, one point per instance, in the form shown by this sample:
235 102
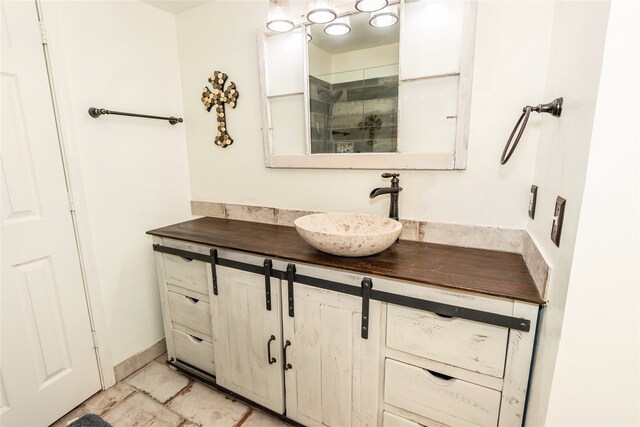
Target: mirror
374 98
353 88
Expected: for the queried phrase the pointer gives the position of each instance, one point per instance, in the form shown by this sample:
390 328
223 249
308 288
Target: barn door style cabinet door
248 336
331 372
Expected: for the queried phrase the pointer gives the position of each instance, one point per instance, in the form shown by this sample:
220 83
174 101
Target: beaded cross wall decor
219 97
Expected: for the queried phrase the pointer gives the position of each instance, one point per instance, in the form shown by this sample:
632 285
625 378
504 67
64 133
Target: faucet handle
390 175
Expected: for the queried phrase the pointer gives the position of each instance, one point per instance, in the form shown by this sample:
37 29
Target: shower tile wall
320 96
340 110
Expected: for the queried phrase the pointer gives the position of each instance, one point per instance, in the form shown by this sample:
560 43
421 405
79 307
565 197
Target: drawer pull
439 375
272 360
444 316
192 300
195 339
186 259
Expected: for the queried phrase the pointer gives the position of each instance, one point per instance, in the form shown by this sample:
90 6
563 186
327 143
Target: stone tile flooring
159 396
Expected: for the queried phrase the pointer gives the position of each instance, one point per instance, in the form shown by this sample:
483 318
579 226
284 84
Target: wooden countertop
500 274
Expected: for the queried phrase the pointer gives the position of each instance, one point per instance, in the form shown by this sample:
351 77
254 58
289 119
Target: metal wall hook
97 112
554 108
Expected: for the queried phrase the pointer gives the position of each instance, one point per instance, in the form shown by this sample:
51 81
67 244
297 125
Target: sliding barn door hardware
214 276
291 271
267 281
445 310
366 286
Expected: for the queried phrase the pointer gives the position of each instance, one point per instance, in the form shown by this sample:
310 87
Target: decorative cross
219 97
372 123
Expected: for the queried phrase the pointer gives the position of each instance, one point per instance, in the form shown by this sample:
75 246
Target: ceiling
362 35
175 6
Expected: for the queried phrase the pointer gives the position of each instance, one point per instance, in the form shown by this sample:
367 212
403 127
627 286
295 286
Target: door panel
333 380
43 319
48 359
242 330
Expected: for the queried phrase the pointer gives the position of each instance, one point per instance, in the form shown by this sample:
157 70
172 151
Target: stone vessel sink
348 234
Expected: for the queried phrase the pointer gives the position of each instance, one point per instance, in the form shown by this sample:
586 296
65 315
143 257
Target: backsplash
471 236
537 265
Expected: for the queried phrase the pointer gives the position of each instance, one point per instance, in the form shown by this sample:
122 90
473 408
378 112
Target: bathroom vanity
420 334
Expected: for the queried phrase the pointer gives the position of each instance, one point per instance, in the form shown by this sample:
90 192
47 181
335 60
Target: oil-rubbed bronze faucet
394 190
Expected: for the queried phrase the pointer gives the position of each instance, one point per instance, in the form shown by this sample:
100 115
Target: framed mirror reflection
371 94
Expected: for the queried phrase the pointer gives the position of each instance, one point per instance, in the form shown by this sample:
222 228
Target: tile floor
159 396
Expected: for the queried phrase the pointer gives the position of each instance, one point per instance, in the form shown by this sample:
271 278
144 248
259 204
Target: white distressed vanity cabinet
339 347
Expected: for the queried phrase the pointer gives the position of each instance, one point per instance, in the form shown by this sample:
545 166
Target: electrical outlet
558 217
533 198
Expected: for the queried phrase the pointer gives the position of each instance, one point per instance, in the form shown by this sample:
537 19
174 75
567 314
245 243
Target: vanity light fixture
371 5
339 27
321 11
278 16
385 17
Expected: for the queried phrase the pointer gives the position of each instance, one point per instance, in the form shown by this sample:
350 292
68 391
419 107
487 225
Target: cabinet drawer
475 346
194 351
393 420
450 401
190 315
189 274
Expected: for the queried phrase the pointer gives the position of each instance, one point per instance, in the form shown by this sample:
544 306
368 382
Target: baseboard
129 366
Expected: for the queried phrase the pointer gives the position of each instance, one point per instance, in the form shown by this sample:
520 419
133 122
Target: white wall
319 60
365 58
597 375
579 29
132 173
510 71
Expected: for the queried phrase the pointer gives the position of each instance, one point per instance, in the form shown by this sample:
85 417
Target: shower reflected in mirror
353 88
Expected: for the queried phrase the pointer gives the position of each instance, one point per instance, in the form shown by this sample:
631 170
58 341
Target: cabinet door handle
287 366
272 360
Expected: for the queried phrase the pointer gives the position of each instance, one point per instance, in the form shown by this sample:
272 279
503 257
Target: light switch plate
533 198
558 217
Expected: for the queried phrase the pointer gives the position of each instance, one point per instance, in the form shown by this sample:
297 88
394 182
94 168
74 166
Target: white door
245 335
333 375
48 362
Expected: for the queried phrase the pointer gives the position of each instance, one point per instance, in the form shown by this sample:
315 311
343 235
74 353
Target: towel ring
554 108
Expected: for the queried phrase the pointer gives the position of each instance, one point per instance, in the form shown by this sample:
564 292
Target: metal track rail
365 290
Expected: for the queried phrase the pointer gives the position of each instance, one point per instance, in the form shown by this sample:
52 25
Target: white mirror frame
455 160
